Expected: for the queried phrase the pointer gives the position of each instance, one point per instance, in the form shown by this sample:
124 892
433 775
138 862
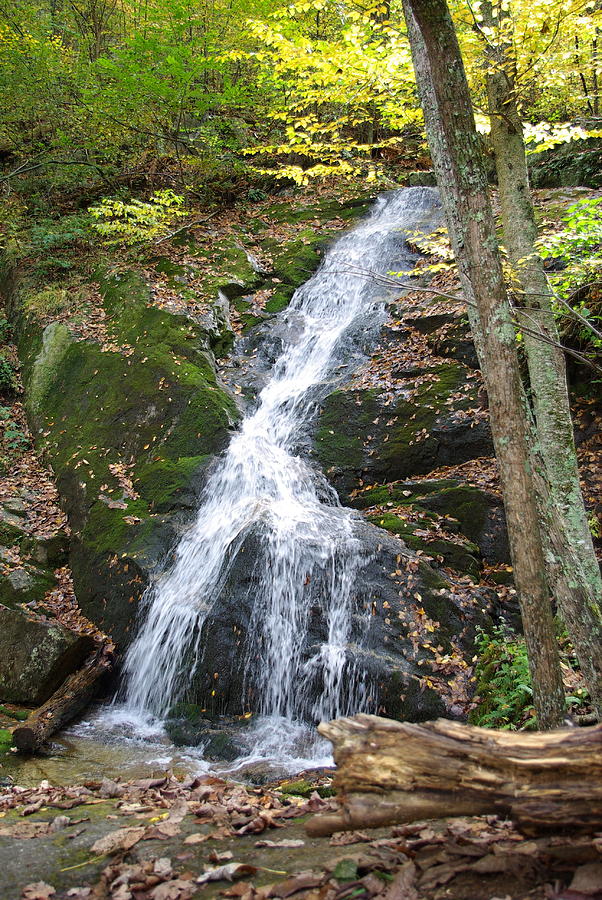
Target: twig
188 225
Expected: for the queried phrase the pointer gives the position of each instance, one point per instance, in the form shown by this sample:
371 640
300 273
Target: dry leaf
227 873
173 890
118 841
38 891
290 844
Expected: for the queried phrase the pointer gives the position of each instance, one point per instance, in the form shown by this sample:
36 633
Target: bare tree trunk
578 588
461 177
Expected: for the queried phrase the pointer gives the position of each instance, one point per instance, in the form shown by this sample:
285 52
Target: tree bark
462 181
578 587
393 772
64 705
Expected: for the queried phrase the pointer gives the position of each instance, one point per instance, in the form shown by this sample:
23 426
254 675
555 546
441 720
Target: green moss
10 534
343 421
19 714
6 740
162 480
56 341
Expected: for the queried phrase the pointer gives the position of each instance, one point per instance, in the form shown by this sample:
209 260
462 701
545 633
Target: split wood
394 772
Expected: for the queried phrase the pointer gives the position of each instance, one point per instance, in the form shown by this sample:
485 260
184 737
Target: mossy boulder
462 556
365 436
456 506
36 656
568 165
130 427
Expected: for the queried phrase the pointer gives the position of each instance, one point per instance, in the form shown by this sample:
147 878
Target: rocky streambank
132 395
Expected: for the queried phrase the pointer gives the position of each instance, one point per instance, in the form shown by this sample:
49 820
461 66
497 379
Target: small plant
503 682
137 221
256 195
577 250
5 330
7 375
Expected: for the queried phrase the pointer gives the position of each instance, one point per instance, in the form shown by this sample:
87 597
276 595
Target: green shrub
504 687
7 375
137 221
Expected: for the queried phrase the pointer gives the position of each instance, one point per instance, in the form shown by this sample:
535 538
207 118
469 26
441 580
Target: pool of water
108 743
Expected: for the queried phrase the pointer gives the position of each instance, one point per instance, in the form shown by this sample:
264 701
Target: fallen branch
394 772
65 704
168 237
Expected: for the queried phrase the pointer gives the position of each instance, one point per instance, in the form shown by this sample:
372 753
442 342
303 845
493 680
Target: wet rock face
363 435
36 656
404 610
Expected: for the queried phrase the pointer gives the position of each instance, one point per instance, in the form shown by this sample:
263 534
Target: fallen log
395 772
65 704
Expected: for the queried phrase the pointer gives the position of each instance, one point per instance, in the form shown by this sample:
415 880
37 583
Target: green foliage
7 375
503 682
577 250
136 222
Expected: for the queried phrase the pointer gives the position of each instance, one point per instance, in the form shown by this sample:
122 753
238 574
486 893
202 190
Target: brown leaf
196 838
343 838
118 841
403 886
227 873
173 890
301 882
216 857
38 891
290 844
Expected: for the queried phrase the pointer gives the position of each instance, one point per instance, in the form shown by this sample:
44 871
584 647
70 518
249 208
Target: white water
306 550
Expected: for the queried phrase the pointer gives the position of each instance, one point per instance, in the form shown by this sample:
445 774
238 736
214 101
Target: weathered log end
65 704
396 772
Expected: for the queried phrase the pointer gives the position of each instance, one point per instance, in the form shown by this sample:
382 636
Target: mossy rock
36 656
129 435
568 165
461 557
363 436
464 508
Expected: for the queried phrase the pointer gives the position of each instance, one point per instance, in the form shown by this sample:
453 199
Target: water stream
265 485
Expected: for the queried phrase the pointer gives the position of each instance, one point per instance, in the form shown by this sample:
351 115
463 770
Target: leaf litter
461 859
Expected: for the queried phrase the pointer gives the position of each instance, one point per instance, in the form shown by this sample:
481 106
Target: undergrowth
504 692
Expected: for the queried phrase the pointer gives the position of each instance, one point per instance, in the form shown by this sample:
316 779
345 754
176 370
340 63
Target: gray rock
36 657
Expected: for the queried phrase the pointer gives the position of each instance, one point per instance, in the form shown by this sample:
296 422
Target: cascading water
307 553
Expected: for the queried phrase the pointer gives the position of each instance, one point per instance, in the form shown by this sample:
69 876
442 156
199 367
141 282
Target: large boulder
476 513
36 656
413 633
368 435
130 425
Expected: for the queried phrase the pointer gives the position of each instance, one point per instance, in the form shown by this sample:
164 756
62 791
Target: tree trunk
64 705
393 772
578 590
461 177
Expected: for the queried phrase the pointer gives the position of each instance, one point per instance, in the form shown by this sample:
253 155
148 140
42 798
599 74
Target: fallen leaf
38 891
196 838
290 844
118 841
227 873
173 890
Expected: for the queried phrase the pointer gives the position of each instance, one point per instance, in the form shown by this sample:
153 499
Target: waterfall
307 553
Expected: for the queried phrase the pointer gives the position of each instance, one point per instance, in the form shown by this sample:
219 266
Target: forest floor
169 839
